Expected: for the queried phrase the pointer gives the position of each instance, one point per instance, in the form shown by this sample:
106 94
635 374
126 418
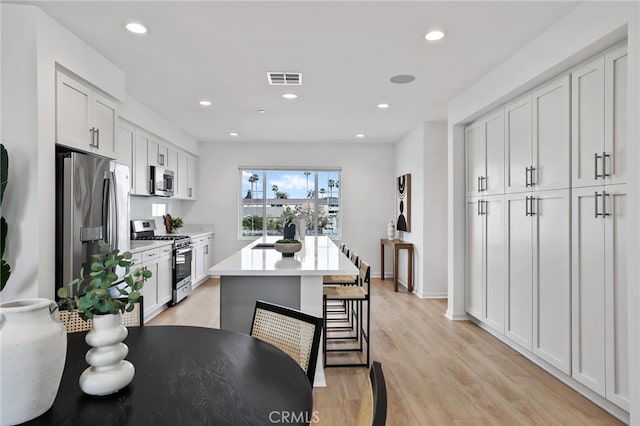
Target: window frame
264 171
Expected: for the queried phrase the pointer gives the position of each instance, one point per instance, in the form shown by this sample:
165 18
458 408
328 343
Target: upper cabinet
537 139
599 120
186 173
85 120
140 149
484 141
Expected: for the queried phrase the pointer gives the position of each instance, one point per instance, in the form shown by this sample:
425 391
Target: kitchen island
259 272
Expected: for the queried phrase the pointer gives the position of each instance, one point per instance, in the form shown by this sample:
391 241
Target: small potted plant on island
102 296
288 245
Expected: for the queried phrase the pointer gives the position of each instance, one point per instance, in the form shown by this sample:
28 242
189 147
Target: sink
264 246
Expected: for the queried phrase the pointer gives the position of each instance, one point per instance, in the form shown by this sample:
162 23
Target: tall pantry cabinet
599 223
545 252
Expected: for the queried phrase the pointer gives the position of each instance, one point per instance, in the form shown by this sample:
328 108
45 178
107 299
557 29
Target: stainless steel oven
182 272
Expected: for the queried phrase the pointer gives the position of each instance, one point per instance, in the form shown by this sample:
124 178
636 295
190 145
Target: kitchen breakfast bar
259 272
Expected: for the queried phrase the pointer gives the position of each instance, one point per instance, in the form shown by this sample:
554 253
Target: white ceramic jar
33 349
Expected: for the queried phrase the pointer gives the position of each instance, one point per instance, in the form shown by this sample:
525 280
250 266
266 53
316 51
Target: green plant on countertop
177 222
97 289
5 269
289 241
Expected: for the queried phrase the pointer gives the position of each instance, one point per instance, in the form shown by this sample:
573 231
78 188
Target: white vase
33 349
302 228
391 230
109 372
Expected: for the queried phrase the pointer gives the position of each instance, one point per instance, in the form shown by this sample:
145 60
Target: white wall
366 184
435 211
583 32
423 153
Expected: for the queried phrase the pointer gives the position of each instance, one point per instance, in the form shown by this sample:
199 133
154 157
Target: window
269 198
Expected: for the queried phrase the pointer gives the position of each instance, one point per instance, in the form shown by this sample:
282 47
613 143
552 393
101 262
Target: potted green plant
177 222
102 300
288 246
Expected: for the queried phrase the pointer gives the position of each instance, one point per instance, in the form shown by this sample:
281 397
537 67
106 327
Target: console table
398 245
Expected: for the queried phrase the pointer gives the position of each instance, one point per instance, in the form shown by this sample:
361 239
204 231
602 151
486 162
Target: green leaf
147 274
111 263
126 255
4 170
62 292
111 277
134 296
129 280
96 267
5 272
130 307
100 292
4 229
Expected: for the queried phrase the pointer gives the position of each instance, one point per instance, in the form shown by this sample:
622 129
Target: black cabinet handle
97 138
531 180
93 137
597 213
479 207
526 178
604 204
533 211
596 157
604 165
526 206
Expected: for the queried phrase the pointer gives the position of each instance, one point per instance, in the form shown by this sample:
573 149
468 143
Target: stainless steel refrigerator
92 204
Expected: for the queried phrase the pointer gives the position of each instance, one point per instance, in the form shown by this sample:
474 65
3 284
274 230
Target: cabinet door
150 289
164 280
587 123
73 103
182 179
163 155
552 278
125 149
588 293
474 269
475 157
494 262
519 246
615 123
172 160
191 178
209 253
616 227
141 168
153 158
517 134
551 135
104 120
494 135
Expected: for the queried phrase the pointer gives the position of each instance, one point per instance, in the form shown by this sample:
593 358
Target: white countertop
319 256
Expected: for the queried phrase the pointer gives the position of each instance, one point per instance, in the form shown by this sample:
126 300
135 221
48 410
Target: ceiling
347 52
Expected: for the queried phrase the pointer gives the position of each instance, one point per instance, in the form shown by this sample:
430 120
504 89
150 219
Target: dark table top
188 376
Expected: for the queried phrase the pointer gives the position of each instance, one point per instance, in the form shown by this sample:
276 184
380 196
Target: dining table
188 376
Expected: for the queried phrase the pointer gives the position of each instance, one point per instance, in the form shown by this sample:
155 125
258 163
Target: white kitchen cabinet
552 277
125 149
191 178
172 159
202 258
519 252
517 141
538 277
182 176
485 260
85 120
157 289
141 175
537 139
551 128
484 148
599 226
599 120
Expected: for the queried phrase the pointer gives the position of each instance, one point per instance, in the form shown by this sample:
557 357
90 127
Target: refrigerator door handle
112 207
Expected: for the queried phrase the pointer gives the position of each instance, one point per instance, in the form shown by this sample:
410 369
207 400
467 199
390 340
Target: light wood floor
438 372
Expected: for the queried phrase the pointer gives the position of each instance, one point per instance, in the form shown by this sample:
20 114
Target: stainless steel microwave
161 181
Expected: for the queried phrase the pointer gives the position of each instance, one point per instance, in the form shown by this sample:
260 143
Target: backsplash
142 207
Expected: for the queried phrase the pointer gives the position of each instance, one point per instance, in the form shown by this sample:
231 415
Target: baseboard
432 295
453 316
603 403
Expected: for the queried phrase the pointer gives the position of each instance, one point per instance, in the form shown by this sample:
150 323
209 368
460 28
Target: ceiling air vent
284 78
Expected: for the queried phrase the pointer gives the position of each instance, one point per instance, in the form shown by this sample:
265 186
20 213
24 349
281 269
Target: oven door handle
183 250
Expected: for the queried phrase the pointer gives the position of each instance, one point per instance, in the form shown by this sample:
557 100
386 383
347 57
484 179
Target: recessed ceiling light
205 102
289 96
360 135
434 35
234 134
402 79
261 111
383 106
136 28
